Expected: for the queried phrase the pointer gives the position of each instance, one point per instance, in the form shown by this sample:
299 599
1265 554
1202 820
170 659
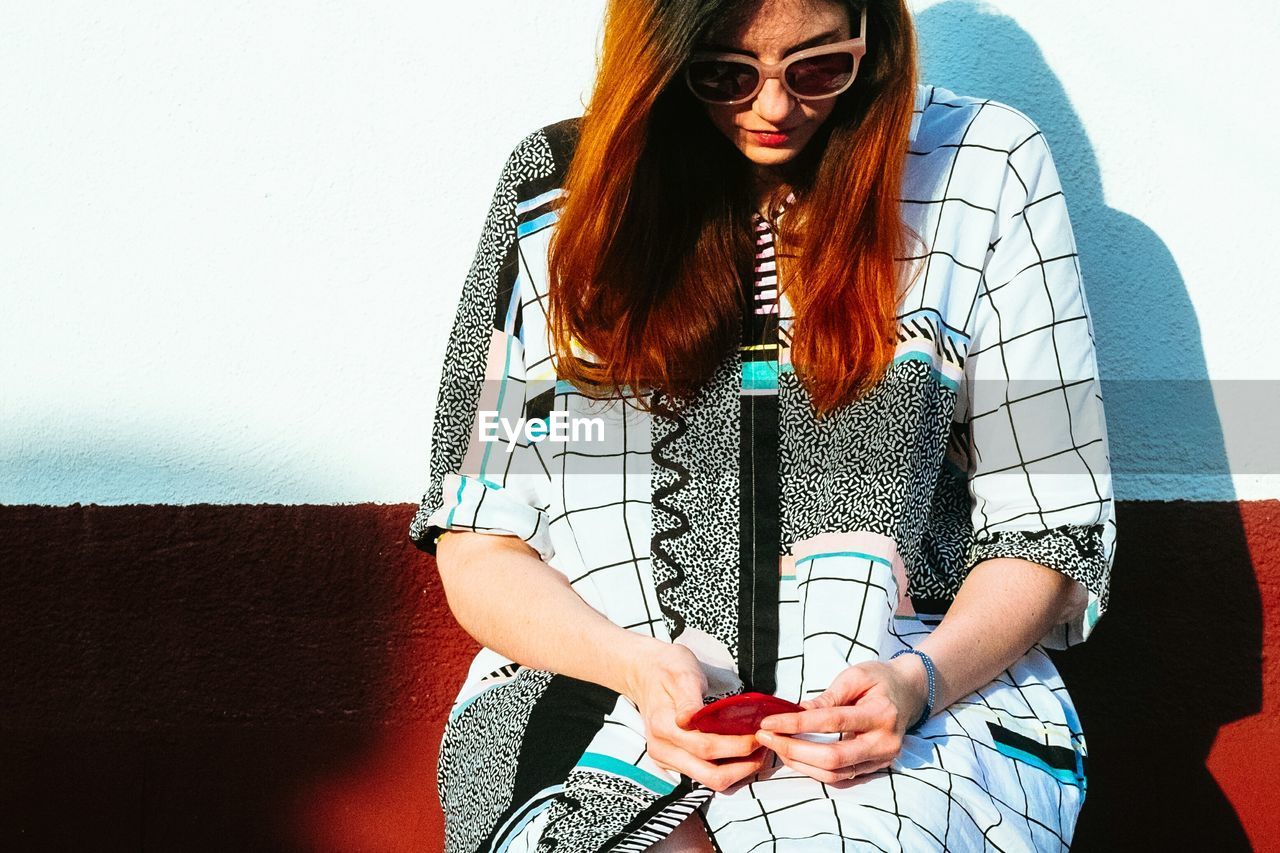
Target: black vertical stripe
758 487
759 544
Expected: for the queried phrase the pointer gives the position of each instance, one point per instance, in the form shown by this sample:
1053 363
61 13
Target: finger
822 700
664 726
841 753
674 758
865 767
686 692
684 713
711 747
851 683
706 745
887 749
842 718
757 759
822 774
749 766
839 774
716 776
845 688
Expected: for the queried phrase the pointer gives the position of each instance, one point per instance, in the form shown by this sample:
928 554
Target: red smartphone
741 714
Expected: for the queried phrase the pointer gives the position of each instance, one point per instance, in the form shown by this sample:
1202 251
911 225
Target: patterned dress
779 548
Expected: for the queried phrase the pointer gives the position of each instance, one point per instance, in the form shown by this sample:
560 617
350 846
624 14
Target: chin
763 156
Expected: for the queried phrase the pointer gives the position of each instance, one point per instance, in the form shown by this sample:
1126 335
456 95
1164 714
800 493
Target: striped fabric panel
759 543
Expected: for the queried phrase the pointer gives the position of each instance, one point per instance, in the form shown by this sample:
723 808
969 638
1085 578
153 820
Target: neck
795 174
766 182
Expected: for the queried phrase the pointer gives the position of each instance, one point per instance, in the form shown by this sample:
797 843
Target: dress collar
780 209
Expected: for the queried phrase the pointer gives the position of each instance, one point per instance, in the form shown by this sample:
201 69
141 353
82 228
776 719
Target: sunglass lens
721 80
820 75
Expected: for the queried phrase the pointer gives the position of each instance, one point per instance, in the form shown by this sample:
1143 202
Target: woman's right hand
666 683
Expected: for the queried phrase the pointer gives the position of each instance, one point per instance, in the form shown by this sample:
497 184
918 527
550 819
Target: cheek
724 122
722 118
822 112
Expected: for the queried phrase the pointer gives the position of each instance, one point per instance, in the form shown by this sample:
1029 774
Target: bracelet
928 668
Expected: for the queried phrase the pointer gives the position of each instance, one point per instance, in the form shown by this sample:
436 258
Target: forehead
774 26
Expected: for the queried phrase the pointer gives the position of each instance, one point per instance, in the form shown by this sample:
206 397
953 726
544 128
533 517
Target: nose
774 103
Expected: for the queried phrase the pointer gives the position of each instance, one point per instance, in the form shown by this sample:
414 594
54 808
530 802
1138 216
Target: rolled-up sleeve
486 475
1039 464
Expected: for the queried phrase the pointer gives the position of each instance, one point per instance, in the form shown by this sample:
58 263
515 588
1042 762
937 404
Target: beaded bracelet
928 668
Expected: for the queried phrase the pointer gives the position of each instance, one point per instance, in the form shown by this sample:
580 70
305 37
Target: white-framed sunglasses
811 74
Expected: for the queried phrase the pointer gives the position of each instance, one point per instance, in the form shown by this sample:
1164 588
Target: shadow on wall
1179 654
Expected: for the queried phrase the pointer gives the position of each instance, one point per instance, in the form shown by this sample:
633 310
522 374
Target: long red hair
653 241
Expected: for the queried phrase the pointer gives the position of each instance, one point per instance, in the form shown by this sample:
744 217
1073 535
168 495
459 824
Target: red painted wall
248 677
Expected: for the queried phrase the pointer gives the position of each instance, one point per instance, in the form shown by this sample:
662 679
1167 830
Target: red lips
770 139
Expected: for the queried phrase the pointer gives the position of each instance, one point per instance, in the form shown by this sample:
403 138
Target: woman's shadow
1179 653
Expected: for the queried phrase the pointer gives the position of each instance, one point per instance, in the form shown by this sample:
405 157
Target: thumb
822 700
685 709
850 684
686 694
844 690
686 706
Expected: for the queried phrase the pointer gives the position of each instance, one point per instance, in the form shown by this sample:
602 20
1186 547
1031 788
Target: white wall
234 234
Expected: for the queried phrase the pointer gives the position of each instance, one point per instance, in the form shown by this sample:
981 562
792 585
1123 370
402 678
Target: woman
842 442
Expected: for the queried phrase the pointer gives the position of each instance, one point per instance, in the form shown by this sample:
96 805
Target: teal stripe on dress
1061 774
872 557
1091 614
618 767
457 500
463 479
760 375
462 706
943 379
525 228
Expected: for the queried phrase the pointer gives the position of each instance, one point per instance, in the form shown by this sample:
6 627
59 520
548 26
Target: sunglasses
817 72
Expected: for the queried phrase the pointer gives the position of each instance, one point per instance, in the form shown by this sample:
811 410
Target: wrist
632 658
915 673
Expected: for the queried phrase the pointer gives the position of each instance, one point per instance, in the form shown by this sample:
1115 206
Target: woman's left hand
871 704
